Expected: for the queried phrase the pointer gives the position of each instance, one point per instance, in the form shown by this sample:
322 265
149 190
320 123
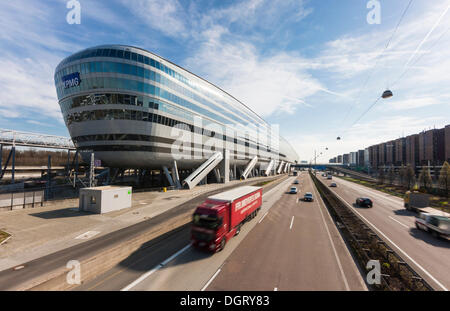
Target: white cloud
240 70
167 16
27 87
411 103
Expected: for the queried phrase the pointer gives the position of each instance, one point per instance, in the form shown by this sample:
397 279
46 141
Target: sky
312 66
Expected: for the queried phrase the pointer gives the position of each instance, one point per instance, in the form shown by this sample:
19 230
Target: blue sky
299 64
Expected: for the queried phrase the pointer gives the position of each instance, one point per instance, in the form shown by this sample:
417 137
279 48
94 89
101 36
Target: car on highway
333 184
296 182
364 202
308 197
293 190
438 226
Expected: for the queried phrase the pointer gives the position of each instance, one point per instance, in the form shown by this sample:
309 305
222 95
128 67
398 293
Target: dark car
296 182
308 197
364 202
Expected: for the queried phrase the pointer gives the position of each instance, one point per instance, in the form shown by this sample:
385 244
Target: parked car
333 184
364 202
293 190
308 197
434 224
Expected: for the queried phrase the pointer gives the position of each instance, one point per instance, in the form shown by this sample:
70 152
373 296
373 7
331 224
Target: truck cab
209 224
221 216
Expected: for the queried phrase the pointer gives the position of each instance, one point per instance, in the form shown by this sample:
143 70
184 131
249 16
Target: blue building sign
71 80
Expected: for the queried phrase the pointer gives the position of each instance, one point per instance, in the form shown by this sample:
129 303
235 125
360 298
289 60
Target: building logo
71 80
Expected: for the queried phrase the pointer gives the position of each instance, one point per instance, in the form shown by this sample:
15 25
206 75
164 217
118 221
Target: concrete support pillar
225 166
217 174
175 176
169 178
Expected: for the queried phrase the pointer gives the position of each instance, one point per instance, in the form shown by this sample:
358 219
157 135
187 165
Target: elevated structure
27 139
135 109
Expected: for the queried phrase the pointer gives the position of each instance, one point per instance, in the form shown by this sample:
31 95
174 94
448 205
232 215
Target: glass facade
141 85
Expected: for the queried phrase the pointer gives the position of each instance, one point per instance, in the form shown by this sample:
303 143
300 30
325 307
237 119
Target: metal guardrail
396 274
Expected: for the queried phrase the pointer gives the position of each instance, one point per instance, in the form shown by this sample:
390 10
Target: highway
290 245
428 256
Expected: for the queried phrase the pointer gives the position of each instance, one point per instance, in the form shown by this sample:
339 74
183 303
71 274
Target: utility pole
91 172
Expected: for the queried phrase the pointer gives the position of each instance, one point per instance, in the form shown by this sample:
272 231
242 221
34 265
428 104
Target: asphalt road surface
429 257
158 248
290 245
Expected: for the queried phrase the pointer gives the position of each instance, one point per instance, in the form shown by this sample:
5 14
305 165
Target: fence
16 199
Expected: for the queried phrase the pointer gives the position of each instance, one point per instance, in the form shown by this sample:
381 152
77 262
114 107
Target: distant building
400 151
447 143
432 147
339 159
360 158
353 158
346 159
366 157
412 150
373 156
390 153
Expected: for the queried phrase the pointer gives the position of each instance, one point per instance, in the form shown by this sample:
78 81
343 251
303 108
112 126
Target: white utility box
104 199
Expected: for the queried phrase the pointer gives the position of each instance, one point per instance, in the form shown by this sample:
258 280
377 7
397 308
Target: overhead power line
377 61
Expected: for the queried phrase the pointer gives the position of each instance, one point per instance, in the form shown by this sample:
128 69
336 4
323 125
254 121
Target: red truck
221 216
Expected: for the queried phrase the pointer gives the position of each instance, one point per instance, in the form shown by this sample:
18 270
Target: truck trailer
221 216
414 200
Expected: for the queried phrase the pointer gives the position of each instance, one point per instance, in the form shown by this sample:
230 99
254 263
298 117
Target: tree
381 176
444 177
401 174
409 177
425 178
391 175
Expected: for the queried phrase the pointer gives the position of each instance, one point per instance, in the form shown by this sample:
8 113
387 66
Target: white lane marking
395 245
275 289
292 221
269 192
210 280
399 222
347 288
159 266
87 235
263 217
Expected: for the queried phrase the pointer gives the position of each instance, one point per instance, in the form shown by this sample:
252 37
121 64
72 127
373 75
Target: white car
293 190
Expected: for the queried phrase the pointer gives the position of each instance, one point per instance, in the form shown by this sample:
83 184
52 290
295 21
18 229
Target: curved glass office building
131 107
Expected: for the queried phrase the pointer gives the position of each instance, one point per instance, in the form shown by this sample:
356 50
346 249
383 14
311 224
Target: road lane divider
159 266
399 222
338 261
111 251
210 280
292 222
263 217
367 245
395 245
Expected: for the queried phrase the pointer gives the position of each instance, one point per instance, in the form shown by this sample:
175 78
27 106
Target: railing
10 137
23 198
